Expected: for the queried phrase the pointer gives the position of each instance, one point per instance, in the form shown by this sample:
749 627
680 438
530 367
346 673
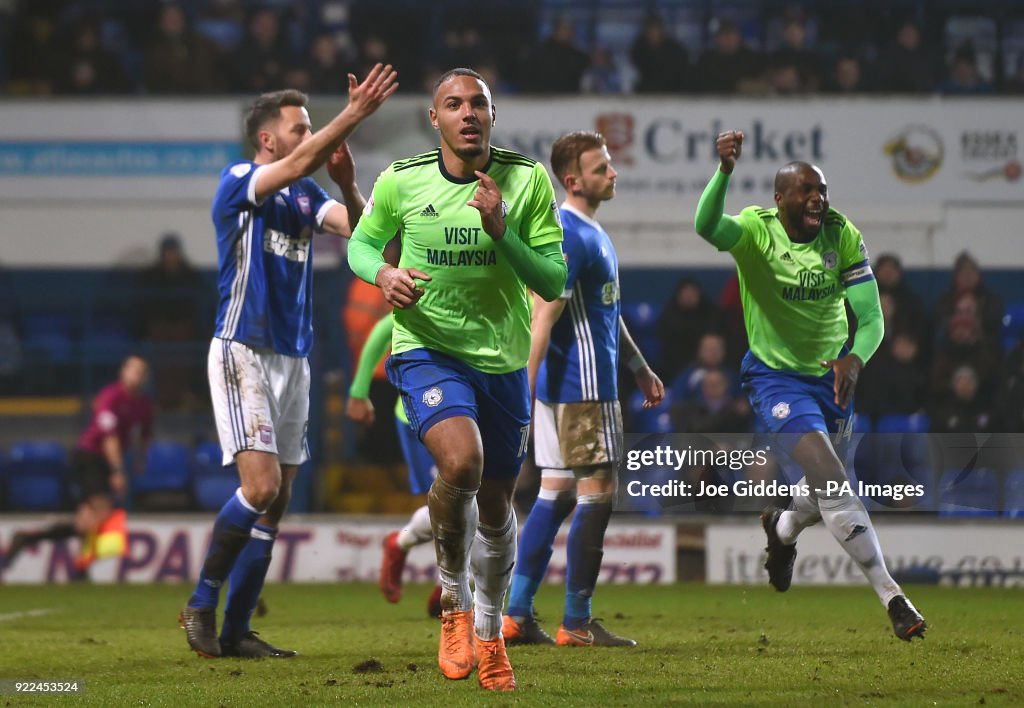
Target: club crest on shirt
303 202
433 397
780 410
266 434
829 259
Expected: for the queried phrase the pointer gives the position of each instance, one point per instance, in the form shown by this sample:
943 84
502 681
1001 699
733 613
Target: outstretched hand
365 98
729 145
398 286
847 370
487 201
341 167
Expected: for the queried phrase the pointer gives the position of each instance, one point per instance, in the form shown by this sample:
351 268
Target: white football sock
847 519
454 518
492 558
804 513
417 531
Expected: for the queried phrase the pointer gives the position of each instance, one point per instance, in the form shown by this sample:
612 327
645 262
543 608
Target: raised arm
363 100
341 167
712 223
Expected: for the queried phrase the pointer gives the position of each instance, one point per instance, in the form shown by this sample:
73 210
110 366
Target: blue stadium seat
212 483
36 476
1013 497
861 423
1013 325
652 420
640 317
974 493
899 423
167 469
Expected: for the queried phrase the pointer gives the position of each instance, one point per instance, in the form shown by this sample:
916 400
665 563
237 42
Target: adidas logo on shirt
429 211
786 258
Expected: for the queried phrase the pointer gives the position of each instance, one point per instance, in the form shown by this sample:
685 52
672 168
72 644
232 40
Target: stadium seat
899 423
212 483
649 420
165 485
1013 497
1013 325
36 476
971 494
640 317
861 423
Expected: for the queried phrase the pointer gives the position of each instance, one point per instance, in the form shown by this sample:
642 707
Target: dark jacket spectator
557 64
727 64
85 67
687 316
906 65
965 410
714 410
179 60
262 59
965 344
966 280
659 59
894 381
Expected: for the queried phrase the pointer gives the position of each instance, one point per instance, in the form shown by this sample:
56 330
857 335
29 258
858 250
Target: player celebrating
422 469
797 263
577 420
479 225
265 212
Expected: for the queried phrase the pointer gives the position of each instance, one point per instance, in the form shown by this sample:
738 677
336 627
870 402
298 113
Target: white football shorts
260 401
576 436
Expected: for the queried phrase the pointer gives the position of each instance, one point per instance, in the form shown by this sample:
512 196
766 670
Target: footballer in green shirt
798 264
479 226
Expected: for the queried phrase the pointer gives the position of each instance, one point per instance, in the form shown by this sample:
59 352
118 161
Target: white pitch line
8 616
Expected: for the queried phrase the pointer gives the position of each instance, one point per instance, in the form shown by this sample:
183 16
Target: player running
797 265
577 421
479 225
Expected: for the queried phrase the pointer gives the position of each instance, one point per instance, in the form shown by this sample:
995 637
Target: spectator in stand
966 280
603 75
848 77
32 53
711 356
660 60
326 66
964 409
262 59
687 316
963 76
795 60
906 65
909 313
556 65
171 296
728 64
965 344
715 408
178 60
894 381
84 66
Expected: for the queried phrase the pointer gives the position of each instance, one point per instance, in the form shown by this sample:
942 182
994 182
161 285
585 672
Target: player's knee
464 469
261 494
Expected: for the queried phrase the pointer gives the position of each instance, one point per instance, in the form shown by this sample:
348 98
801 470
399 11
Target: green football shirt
793 293
475 307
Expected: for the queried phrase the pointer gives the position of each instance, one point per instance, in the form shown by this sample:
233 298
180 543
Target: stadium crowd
89 47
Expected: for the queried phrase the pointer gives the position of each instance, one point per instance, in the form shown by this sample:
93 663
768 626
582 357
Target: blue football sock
230 534
246 582
584 551
535 547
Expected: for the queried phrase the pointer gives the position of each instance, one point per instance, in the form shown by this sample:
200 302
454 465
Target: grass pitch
698 645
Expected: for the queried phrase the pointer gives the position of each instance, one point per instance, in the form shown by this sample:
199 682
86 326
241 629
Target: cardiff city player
798 263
